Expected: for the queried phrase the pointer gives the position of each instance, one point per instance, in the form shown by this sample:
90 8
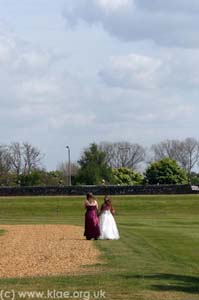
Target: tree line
170 161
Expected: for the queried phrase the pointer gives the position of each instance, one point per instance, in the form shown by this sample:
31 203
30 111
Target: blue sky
74 72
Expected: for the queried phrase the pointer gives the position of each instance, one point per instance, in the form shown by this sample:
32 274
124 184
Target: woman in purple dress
92 228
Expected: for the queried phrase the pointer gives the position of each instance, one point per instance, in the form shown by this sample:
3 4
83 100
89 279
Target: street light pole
69 166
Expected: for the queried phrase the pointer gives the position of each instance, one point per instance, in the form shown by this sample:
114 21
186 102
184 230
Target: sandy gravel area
40 250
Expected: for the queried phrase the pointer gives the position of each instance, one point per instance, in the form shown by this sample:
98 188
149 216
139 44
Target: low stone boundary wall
99 190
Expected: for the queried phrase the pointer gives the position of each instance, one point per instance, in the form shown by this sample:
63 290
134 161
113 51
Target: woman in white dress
108 227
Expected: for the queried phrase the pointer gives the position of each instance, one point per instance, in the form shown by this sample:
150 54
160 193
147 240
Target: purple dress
92 229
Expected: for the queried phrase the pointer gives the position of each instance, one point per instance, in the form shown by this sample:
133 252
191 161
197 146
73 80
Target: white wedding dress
108 227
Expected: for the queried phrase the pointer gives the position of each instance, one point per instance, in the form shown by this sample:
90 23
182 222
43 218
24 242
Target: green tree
194 178
41 178
165 171
34 178
127 176
8 179
93 167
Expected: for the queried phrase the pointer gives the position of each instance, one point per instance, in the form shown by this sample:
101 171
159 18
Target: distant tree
127 176
185 152
41 177
165 171
63 169
8 179
93 167
53 178
31 157
123 154
24 158
194 178
31 179
167 149
5 160
189 157
16 155
17 161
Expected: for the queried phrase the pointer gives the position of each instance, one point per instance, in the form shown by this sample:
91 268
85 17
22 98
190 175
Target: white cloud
174 70
131 71
145 92
112 5
7 44
75 119
38 90
32 85
191 6
171 23
33 59
41 101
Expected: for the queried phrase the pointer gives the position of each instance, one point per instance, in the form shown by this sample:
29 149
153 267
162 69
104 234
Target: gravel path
40 250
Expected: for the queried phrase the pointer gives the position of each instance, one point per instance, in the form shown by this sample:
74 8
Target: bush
165 171
127 176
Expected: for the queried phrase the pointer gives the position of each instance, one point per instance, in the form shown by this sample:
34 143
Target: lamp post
69 166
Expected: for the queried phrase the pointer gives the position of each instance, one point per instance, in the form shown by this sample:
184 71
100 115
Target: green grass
2 231
157 256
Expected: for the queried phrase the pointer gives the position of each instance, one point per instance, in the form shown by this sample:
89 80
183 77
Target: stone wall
99 190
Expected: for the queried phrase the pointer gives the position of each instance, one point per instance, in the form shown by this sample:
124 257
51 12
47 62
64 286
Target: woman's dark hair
107 200
89 196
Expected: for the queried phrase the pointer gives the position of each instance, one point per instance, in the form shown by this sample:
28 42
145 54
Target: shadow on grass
174 282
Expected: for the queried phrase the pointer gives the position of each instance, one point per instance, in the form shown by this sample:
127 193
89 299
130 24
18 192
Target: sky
73 72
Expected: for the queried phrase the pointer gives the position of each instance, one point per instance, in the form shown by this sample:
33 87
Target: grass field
157 256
